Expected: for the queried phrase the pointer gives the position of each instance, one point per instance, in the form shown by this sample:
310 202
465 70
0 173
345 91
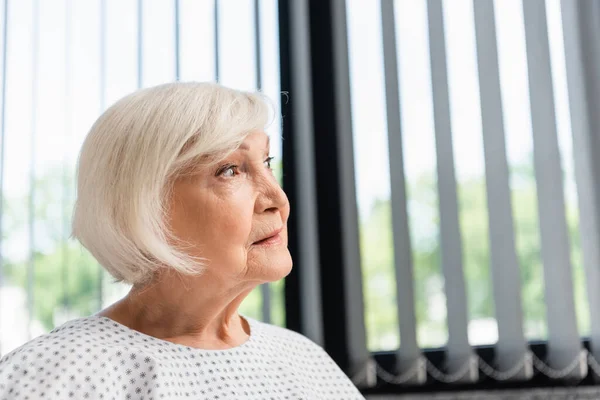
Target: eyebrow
244 146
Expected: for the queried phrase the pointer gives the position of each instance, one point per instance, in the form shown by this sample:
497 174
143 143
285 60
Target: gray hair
130 159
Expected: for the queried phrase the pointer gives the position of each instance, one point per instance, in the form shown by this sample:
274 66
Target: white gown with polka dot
97 358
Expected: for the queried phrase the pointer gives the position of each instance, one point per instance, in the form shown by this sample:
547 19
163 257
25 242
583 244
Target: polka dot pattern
98 358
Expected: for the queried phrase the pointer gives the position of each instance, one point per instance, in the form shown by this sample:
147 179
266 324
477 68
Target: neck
192 312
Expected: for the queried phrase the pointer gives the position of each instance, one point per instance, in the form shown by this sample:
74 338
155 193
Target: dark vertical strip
31 219
103 26
336 189
341 286
304 295
216 40
67 188
2 141
333 290
292 281
140 21
177 45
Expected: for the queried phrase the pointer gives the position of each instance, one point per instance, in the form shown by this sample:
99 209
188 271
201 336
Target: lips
270 238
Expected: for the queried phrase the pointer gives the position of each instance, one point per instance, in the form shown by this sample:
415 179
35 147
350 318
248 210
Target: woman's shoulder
307 358
71 353
287 340
69 335
276 331
72 334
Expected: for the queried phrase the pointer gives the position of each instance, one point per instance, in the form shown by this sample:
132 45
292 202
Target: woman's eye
227 172
268 162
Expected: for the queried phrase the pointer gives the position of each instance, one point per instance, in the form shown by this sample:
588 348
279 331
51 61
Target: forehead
256 140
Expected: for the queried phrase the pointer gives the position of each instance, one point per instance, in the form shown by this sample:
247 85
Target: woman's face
234 215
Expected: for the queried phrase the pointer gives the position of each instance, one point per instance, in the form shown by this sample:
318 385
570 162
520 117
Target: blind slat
356 336
563 339
409 351
265 289
32 198
103 26
582 55
511 347
216 26
257 46
177 24
68 187
140 43
2 144
458 349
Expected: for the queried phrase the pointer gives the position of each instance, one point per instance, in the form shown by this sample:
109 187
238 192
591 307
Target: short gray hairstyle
132 155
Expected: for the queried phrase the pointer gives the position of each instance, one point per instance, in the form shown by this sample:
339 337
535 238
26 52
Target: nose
271 197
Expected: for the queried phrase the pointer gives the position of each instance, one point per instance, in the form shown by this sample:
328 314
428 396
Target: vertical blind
454 183
63 62
582 55
474 132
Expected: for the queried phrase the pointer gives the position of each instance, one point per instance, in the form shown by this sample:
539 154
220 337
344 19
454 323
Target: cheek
188 223
233 224
230 218
217 224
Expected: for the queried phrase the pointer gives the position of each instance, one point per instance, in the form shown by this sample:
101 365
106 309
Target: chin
274 267
280 266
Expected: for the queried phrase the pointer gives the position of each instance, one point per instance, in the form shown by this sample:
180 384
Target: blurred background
64 63
455 114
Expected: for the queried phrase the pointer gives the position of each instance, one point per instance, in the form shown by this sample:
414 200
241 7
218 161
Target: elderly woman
176 196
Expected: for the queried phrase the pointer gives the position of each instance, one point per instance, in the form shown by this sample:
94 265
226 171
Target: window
372 166
484 126
66 61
